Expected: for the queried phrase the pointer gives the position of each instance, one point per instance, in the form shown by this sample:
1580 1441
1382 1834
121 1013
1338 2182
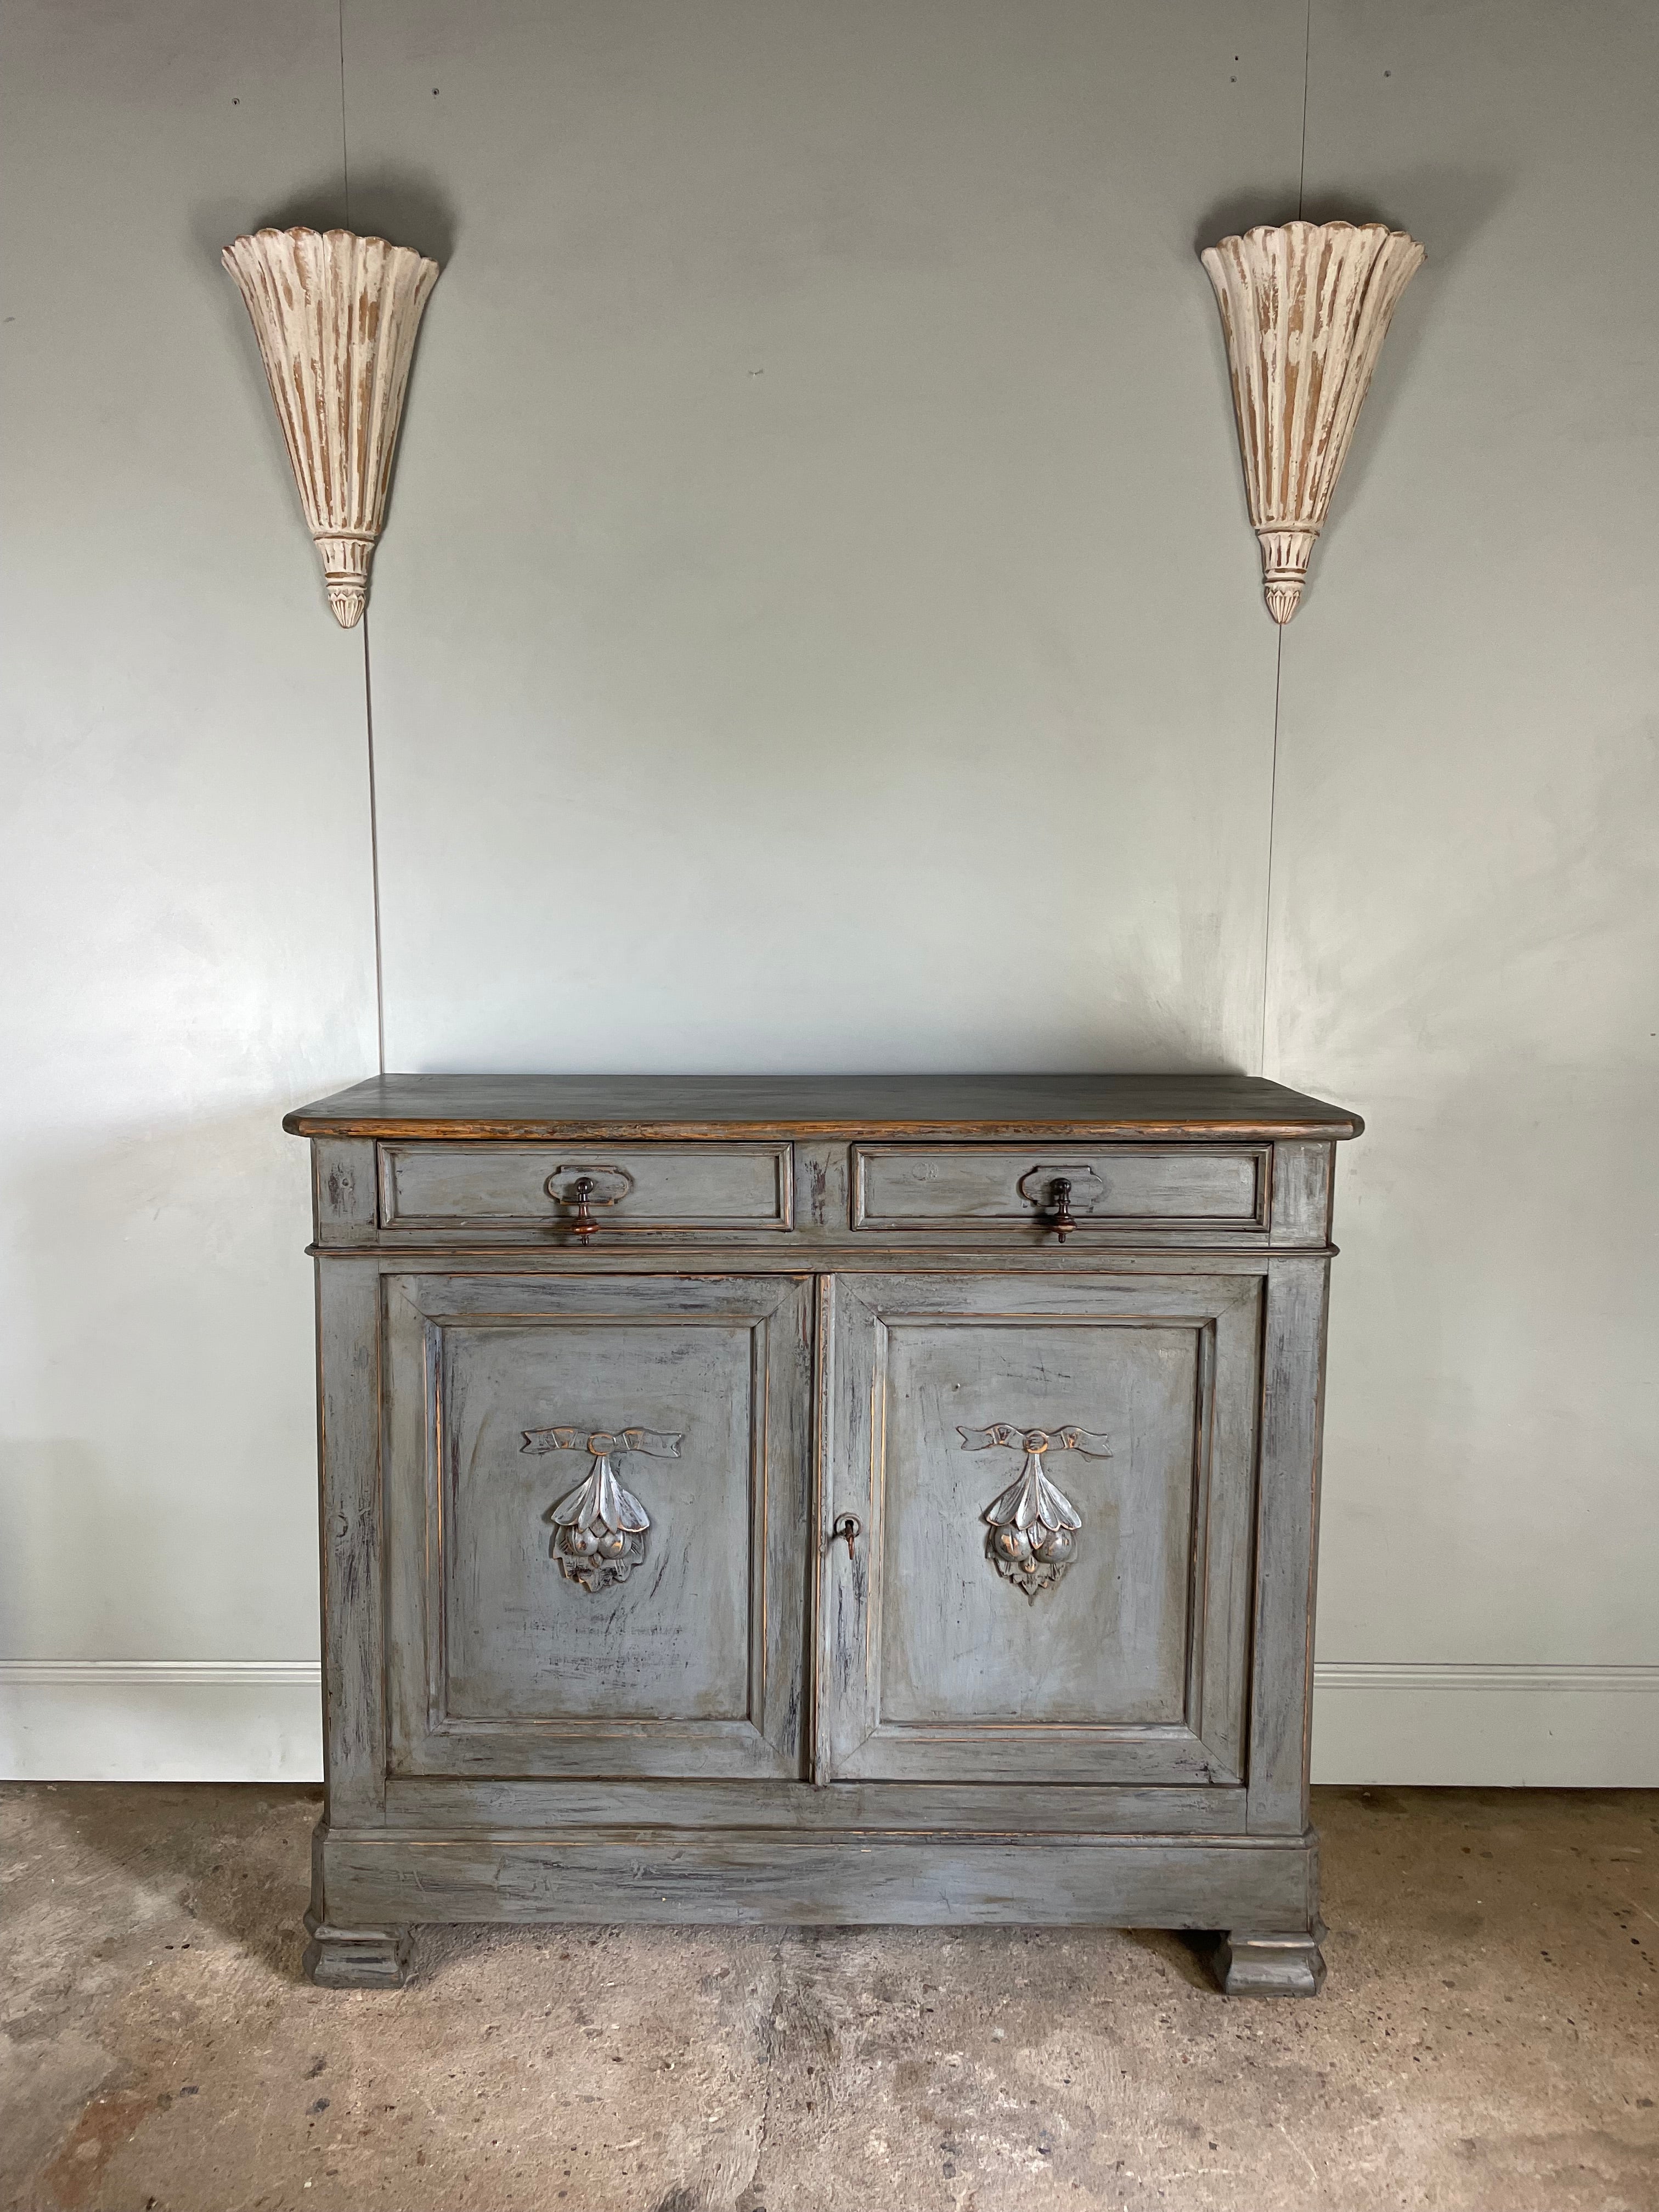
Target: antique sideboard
828 1499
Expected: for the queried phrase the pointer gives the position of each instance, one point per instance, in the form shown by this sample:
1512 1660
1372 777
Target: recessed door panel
1107 1637
1053 1481
590 1486
554 1629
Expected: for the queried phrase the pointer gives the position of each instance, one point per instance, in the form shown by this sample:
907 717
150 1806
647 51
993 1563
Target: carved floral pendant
1033 1526
599 1529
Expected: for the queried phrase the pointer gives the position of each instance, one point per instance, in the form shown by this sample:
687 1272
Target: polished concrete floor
1489 2036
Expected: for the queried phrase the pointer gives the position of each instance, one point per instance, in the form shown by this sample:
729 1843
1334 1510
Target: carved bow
1033 1524
1038 1440
598 1526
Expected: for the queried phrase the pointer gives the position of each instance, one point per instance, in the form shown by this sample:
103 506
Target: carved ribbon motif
1032 1528
598 1527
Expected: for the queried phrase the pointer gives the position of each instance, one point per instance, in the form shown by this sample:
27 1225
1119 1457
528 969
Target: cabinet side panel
1287 1532
1302 1183
349 1441
343 1189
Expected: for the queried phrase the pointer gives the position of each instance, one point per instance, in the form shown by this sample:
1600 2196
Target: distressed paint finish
1304 309
1304 1179
1252 1965
336 317
762 1722
883 1809
352 1536
898 1187
674 1187
343 1190
1132 1669
730 1875
1287 1545
497 1664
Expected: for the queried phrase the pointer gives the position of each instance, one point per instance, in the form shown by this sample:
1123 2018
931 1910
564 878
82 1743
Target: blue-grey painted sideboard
830 1499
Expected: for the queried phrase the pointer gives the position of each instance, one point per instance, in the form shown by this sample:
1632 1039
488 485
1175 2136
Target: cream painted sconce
1304 309
336 318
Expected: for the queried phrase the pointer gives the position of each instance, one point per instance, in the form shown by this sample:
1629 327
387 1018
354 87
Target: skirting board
1515 1727
1524 1726
161 1720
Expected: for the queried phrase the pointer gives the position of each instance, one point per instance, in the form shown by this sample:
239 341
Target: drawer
909 1187
635 1186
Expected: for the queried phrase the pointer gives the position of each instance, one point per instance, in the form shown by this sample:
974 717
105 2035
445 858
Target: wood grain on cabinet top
1198 1108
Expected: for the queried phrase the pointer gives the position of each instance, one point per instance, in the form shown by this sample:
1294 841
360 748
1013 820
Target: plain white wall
818 627
1466 881
188 925
824 649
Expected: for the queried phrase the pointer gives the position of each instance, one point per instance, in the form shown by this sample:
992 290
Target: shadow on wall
405 205
1444 208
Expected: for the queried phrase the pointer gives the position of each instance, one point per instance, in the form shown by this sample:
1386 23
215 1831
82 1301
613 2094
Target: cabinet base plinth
354 1957
1251 1965
390 1879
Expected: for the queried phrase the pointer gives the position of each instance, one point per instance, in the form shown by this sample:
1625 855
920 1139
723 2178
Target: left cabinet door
596 1492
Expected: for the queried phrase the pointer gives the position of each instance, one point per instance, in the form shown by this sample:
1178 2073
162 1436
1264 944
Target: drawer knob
1061 1219
605 1187
849 1527
582 1191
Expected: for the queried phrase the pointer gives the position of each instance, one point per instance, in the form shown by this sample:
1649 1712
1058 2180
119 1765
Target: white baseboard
186 1720
1515 1727
161 1720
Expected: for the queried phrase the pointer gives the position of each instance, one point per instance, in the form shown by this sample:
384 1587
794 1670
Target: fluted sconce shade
1304 309
336 318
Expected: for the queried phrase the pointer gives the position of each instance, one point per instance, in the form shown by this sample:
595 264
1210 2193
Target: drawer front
909 1187
635 1186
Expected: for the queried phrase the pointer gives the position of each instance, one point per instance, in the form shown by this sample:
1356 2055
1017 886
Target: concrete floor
1489 2036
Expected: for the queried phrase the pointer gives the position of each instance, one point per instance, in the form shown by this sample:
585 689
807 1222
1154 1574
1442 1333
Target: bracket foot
1251 1964
355 1958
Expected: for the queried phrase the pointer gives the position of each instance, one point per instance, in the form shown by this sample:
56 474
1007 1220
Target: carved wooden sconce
1304 309
336 318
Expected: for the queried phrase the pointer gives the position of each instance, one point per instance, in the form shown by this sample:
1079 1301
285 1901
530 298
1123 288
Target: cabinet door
1054 1480
596 1492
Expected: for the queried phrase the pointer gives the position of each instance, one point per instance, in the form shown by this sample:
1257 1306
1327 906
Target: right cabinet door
1053 1479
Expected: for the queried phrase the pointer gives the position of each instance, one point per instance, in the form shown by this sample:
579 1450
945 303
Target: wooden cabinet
826 1500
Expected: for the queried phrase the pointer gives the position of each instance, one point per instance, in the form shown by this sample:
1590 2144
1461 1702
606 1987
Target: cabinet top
1198 1108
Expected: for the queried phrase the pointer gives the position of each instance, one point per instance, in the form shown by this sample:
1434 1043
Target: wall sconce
1304 309
336 318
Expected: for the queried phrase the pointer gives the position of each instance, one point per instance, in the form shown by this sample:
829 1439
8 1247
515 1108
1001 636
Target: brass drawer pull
1061 1219
585 1193
582 1191
850 1528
